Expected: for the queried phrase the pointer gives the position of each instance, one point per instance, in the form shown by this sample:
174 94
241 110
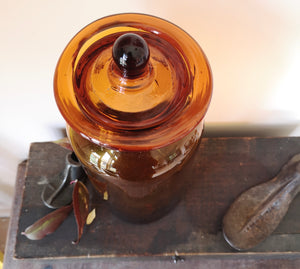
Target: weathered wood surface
221 169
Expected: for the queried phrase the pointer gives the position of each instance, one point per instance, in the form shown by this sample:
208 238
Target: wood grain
221 169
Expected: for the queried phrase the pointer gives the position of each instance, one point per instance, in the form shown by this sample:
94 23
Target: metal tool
256 213
58 190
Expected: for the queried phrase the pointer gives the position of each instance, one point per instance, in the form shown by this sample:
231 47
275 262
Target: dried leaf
91 216
48 224
81 206
64 142
105 196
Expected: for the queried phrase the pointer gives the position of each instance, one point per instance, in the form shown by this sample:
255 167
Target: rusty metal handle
256 213
58 191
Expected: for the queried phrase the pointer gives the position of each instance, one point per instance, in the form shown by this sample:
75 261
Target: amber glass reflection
164 104
142 185
134 130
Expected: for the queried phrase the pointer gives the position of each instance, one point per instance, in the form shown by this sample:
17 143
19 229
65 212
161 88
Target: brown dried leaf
64 142
91 216
81 206
105 196
48 224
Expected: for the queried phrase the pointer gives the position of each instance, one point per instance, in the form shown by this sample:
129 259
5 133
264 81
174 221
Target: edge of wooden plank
15 213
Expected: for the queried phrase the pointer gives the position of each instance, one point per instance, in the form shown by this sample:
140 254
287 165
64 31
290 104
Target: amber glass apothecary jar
134 90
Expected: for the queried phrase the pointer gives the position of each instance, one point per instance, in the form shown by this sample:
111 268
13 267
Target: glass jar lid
132 82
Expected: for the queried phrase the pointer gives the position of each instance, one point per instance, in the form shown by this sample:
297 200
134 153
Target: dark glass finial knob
131 54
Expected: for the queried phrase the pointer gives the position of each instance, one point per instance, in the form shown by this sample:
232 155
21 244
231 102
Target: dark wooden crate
221 169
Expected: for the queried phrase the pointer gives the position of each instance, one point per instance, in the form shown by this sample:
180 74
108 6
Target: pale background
253 47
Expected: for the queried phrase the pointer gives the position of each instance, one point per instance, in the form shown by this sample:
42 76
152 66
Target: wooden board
221 169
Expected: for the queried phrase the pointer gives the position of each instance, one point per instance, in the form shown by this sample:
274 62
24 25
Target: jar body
142 185
134 90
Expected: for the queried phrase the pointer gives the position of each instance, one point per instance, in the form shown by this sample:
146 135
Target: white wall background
253 47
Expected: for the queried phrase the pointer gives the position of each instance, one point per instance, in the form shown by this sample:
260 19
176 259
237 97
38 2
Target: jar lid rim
193 108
